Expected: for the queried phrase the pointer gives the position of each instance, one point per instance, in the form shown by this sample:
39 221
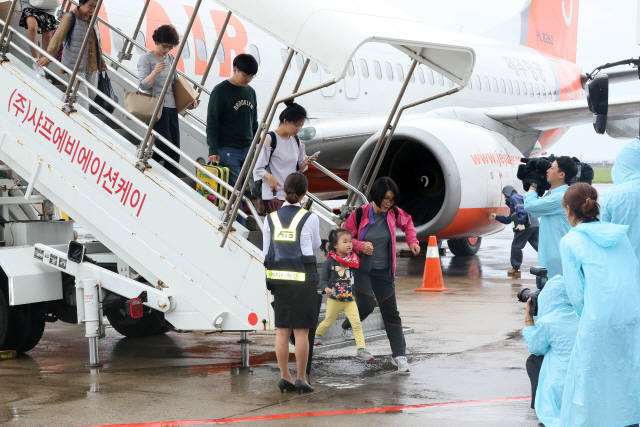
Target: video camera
526 293
534 171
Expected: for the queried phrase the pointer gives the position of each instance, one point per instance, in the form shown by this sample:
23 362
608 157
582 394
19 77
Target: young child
336 283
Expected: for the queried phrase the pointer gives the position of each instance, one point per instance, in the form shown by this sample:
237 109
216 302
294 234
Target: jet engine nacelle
450 175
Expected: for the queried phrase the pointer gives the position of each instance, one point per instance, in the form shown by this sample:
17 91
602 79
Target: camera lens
525 294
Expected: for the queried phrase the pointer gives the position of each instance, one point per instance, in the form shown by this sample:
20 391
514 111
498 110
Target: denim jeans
233 158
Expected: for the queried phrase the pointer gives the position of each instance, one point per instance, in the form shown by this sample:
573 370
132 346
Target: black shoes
303 387
285 385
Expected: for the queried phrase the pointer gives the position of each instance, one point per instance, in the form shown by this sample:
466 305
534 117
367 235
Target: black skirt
46 22
295 305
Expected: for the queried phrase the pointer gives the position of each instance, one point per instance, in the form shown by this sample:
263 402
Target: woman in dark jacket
290 235
374 235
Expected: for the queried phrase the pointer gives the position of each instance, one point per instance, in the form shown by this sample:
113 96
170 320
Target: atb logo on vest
284 235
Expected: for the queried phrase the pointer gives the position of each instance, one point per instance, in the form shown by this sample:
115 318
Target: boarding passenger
553 221
37 21
621 204
373 227
290 235
232 118
153 70
602 279
71 31
283 157
552 336
525 227
336 281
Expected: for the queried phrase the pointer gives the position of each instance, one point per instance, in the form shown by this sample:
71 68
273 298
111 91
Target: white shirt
309 237
284 161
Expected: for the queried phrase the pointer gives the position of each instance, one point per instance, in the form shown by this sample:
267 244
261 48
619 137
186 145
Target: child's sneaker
363 354
347 334
318 340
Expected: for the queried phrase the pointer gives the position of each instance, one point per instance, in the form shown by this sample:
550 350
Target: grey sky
606 33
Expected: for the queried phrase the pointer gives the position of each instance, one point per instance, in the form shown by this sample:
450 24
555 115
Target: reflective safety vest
284 261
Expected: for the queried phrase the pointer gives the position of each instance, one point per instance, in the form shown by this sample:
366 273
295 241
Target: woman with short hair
153 71
373 228
601 276
289 237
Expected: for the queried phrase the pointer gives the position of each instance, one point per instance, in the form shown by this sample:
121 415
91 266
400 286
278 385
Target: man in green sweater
232 118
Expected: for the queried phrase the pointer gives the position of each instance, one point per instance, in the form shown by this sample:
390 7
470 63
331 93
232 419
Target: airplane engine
450 175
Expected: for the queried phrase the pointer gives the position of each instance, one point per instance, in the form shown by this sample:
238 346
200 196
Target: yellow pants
350 309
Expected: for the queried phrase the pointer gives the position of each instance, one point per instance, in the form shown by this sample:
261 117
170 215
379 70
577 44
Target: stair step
106 120
255 237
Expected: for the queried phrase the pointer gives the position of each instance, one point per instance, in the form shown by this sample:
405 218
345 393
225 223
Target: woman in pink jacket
373 229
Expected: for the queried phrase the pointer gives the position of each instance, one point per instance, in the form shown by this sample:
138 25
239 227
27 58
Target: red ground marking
318 414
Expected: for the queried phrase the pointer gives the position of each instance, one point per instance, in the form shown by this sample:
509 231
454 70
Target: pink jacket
403 221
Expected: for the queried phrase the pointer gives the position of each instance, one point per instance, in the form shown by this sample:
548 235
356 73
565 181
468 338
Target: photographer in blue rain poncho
621 204
602 280
552 336
548 208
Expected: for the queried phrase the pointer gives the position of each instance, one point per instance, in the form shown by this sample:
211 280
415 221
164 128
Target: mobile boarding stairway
161 244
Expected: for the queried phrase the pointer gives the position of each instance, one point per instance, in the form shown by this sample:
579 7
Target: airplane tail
551 26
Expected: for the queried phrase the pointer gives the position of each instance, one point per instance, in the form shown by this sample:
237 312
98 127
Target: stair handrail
11 31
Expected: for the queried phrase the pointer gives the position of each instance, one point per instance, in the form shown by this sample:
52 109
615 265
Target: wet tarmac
467 361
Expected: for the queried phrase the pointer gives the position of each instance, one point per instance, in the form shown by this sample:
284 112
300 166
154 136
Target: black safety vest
284 261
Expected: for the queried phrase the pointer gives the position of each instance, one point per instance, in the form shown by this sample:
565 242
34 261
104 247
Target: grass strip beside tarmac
602 176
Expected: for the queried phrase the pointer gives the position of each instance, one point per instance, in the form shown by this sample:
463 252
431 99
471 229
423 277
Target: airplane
450 157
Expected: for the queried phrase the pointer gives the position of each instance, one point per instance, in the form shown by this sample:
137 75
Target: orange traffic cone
432 279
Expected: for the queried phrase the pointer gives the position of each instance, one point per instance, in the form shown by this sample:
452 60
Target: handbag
183 93
104 86
45 4
141 105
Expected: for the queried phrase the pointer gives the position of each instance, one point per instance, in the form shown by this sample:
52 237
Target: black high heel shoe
303 387
286 385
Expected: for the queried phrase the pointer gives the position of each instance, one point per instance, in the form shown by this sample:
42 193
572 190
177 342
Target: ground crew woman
290 235
601 276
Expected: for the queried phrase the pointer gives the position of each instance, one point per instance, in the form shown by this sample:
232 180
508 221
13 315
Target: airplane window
420 75
524 89
377 69
400 72
201 49
554 92
351 70
549 91
470 85
503 89
537 90
450 83
313 66
253 50
487 84
220 56
516 87
509 87
118 41
186 52
299 61
544 92
478 83
530 89
430 76
413 75
389 70
283 53
140 39
440 79
495 85
364 69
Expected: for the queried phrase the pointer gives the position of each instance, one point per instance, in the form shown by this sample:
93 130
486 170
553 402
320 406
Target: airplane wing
622 119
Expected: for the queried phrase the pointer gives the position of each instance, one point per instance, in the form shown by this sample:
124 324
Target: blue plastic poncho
621 204
602 279
553 226
553 337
